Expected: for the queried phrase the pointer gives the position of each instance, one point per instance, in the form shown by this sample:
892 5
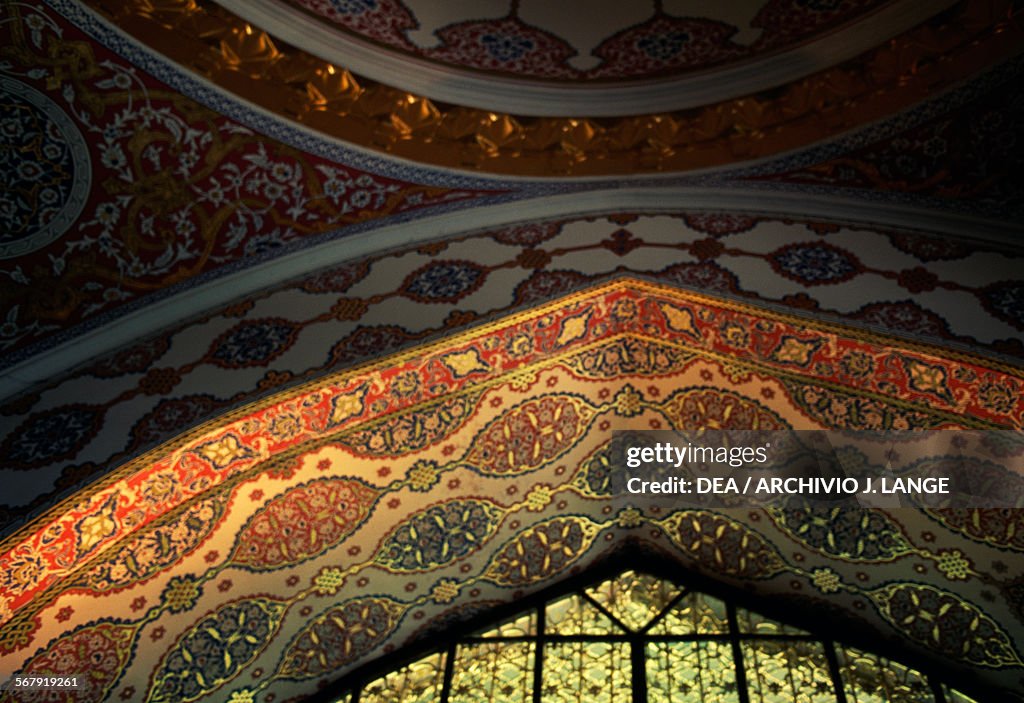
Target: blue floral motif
52 435
813 264
439 535
216 649
353 7
44 170
253 343
506 47
446 281
663 47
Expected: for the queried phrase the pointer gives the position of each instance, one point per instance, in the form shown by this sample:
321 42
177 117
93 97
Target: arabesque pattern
335 551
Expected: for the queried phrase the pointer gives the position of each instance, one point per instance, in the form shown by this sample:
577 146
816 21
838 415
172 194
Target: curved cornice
499 93
303 88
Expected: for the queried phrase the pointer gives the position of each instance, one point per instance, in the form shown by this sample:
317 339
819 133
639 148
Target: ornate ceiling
267 317
535 58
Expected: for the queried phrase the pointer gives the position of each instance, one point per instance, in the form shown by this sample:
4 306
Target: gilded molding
246 61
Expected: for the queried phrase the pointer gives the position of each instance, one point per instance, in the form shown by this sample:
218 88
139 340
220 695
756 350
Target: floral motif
153 551
215 650
815 264
339 636
529 235
97 527
857 365
719 224
660 42
22 569
1003 528
101 650
708 408
543 285
336 280
439 535
927 378
597 473
44 170
721 544
177 190
253 343
836 409
541 551
506 45
851 534
302 522
169 417
946 624
52 435
411 432
529 435
223 452
385 21
666 44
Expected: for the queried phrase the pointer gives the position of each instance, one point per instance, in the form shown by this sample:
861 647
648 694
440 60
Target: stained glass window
638 637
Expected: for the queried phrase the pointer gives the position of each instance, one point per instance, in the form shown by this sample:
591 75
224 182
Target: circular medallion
44 169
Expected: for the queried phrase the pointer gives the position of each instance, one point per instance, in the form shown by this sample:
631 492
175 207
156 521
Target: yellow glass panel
868 678
750 622
781 671
691 672
493 672
953 696
635 599
520 626
696 614
419 682
575 615
587 672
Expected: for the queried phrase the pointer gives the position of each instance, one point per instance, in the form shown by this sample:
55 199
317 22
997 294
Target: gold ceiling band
245 60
